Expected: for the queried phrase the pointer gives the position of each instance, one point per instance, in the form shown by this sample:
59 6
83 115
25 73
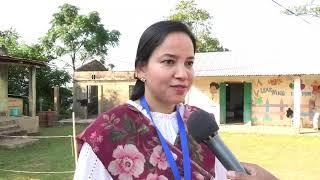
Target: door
92 101
222 99
247 87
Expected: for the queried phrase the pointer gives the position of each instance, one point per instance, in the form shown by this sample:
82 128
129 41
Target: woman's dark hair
151 38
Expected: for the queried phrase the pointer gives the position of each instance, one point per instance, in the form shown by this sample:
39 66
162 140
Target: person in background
214 87
146 138
315 106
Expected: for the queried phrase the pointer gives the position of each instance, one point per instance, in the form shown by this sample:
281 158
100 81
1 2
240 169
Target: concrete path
78 121
276 130
232 128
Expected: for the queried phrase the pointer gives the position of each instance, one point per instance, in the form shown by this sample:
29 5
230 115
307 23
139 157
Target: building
242 90
98 89
258 92
11 107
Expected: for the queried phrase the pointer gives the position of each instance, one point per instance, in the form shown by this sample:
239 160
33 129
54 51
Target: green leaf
116 135
143 129
129 124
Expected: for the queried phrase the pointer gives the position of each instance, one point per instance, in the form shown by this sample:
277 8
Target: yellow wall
111 93
271 96
203 83
115 93
113 88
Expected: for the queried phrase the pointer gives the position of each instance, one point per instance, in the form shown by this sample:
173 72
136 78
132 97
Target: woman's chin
178 100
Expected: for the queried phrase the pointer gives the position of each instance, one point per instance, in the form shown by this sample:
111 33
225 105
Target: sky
249 28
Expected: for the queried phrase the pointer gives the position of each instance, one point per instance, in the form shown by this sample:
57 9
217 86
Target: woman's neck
156 106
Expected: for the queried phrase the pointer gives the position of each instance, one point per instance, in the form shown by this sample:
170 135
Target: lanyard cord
184 145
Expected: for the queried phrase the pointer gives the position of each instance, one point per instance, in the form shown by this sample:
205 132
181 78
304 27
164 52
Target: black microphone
204 129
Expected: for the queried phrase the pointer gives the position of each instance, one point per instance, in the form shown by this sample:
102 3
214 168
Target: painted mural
272 100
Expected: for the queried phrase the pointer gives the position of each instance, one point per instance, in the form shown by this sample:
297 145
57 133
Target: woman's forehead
176 43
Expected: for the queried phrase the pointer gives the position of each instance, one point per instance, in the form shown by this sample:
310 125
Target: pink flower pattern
158 158
128 162
110 121
128 159
96 140
156 177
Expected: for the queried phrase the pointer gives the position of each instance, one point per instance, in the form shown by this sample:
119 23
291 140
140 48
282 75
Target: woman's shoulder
112 117
120 110
106 122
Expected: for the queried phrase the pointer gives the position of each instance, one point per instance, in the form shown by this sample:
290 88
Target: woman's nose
181 72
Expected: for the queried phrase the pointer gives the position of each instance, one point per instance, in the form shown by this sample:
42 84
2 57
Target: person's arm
89 166
312 102
256 173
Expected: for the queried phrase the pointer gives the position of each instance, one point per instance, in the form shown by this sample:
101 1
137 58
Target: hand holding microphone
204 129
256 173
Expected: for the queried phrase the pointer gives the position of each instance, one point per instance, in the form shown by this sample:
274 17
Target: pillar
296 102
3 89
32 92
56 99
100 98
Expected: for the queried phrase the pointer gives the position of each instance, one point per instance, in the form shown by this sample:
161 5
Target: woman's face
169 72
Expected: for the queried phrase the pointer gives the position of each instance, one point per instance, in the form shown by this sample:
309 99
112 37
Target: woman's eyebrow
174 56
169 55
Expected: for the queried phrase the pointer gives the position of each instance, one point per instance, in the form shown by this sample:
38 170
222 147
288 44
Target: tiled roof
228 64
92 66
21 61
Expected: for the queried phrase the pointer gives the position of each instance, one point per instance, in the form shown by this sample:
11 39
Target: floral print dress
126 143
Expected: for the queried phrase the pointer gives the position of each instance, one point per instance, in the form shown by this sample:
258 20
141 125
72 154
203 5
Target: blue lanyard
184 145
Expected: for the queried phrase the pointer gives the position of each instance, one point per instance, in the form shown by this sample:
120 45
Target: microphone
204 129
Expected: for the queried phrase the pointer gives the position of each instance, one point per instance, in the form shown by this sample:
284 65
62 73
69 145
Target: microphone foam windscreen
201 125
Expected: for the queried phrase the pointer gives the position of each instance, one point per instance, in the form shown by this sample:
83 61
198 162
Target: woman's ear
140 72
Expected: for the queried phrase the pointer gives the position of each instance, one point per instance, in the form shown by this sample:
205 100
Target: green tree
46 77
308 9
9 39
18 75
80 37
199 21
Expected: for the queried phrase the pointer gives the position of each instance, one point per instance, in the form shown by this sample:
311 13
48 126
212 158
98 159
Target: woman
146 137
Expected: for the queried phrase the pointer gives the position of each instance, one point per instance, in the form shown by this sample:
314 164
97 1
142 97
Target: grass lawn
46 155
288 157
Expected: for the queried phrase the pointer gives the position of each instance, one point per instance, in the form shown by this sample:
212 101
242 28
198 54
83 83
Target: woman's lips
180 89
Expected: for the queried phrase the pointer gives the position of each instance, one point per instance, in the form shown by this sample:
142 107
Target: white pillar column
100 98
32 91
56 99
296 102
3 89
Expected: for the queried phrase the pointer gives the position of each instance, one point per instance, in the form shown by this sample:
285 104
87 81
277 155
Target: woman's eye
169 61
189 63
